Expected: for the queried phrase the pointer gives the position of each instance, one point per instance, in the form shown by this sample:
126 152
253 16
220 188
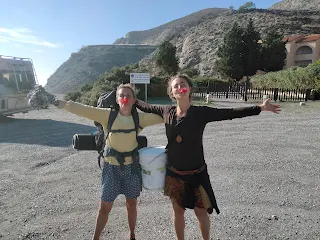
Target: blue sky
48 31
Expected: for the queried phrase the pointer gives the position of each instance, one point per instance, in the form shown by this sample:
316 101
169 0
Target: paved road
264 170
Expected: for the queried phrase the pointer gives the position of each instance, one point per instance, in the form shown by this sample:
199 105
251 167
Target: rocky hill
197 46
197 37
157 35
297 5
90 62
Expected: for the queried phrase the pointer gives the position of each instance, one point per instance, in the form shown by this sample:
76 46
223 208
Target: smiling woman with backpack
121 171
187 180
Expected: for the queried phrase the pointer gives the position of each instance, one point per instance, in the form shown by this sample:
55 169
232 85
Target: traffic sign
140 78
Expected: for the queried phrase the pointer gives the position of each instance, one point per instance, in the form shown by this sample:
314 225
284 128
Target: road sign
140 78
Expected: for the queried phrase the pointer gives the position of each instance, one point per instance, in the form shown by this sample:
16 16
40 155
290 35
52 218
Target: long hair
183 76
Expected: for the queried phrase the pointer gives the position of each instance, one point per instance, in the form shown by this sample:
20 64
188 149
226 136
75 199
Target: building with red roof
302 50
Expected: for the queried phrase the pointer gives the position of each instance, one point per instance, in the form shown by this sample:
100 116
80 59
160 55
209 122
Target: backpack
108 100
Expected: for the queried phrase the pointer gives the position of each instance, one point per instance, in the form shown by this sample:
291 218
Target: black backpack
108 100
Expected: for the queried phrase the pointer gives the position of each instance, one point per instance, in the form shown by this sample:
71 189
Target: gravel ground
264 170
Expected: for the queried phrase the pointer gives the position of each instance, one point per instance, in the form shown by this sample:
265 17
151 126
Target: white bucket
153 163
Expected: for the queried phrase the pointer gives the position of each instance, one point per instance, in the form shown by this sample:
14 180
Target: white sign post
141 78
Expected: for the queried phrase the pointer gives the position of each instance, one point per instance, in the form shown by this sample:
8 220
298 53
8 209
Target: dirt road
265 171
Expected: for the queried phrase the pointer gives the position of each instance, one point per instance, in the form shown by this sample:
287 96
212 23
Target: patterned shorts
174 188
116 181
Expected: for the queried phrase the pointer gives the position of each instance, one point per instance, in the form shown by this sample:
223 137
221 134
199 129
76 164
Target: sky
48 31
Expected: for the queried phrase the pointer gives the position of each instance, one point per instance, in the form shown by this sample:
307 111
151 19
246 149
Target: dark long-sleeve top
188 154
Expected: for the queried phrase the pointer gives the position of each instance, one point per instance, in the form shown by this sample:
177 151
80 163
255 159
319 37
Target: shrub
292 78
73 96
203 81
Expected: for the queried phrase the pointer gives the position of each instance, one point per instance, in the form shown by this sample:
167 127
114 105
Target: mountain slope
157 35
197 46
297 5
90 62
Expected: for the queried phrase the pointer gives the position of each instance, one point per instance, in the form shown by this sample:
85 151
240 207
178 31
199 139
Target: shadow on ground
44 132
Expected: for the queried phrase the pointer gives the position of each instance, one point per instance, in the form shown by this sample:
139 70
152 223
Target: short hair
128 86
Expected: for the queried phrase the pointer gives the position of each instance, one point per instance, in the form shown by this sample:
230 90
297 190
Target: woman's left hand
267 106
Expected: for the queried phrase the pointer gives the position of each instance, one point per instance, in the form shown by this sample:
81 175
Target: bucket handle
157 157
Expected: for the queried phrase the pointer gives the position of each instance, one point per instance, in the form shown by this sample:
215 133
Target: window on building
304 50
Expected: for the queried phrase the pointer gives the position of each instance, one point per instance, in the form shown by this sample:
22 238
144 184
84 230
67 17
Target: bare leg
204 222
102 218
132 215
178 219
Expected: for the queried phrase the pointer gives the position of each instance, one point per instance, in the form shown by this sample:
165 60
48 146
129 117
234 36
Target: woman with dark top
187 180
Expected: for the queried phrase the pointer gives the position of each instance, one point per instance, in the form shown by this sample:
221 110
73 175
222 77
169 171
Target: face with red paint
125 98
180 89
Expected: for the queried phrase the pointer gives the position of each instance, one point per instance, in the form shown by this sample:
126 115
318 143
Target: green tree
73 96
252 50
166 58
191 72
273 54
247 6
86 88
230 53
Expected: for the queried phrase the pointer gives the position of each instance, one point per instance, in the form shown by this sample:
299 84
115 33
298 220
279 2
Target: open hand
267 106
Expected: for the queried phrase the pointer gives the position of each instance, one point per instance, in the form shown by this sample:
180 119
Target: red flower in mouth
124 100
183 90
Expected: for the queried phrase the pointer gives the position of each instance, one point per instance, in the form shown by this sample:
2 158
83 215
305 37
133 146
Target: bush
202 81
86 88
315 94
158 91
74 96
292 78
109 81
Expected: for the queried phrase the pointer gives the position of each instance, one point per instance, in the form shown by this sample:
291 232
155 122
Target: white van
17 78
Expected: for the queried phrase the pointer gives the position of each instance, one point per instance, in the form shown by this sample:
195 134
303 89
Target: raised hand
267 106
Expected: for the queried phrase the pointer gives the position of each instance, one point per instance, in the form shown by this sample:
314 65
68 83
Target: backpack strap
112 117
135 116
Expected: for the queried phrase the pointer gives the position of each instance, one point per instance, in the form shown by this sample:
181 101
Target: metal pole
146 91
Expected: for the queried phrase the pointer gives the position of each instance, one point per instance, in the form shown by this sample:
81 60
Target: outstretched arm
215 114
100 115
149 108
267 106
149 119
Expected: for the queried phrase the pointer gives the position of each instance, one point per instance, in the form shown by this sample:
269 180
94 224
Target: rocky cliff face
297 5
156 36
90 62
